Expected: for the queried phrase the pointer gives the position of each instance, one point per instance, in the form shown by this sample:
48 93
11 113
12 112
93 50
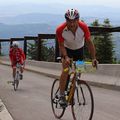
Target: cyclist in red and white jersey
16 55
71 36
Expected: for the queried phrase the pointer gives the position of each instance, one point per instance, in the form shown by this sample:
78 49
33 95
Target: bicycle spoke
84 104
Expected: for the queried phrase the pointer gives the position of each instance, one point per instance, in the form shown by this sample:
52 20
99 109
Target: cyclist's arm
91 48
64 53
62 49
22 54
60 39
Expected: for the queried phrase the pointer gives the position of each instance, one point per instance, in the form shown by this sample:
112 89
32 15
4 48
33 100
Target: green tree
93 38
106 23
32 50
47 53
95 23
104 45
104 48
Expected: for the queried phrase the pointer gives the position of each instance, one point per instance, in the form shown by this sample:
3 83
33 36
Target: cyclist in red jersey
71 36
17 55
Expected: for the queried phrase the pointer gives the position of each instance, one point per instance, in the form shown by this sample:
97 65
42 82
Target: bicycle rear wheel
83 106
57 110
16 81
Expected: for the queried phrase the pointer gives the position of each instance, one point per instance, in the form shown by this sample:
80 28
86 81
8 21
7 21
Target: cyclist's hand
95 63
18 60
67 60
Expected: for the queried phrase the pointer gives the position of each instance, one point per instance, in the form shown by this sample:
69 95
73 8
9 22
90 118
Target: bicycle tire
16 81
83 107
58 112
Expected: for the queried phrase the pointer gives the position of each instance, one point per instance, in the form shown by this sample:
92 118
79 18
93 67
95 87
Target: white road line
4 114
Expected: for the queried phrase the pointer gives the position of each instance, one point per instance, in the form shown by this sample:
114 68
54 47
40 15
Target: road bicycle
16 80
78 93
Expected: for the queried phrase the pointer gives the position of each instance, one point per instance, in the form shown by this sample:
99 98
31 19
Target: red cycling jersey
16 55
73 41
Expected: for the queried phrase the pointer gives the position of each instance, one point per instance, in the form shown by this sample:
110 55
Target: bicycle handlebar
80 66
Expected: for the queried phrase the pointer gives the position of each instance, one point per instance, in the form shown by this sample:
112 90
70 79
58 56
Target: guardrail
94 30
107 75
103 69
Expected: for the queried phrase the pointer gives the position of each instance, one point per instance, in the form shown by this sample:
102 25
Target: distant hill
21 30
51 19
35 23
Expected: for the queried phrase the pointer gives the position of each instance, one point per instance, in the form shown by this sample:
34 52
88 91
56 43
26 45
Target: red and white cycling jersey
16 55
73 41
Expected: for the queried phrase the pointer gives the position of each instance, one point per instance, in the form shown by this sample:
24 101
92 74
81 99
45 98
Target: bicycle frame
17 76
74 76
18 66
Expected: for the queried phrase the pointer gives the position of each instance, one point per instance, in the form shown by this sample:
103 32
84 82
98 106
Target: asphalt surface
32 100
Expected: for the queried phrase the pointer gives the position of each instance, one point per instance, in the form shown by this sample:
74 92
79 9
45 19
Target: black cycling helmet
72 14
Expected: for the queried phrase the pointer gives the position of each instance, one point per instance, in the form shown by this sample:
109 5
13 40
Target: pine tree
47 53
104 45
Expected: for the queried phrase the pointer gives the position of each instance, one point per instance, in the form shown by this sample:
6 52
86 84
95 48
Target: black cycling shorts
75 54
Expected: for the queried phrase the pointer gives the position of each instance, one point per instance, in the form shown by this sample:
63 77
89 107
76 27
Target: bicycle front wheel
83 102
16 81
57 110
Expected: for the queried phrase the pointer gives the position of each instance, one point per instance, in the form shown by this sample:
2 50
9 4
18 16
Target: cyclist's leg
21 73
63 77
77 54
14 70
62 84
21 68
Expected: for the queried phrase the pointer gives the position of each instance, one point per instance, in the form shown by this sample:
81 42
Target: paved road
32 100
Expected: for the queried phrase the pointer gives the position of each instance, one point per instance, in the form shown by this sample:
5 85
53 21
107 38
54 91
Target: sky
109 3
105 8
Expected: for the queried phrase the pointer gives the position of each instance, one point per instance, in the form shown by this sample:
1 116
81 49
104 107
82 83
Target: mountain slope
21 30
